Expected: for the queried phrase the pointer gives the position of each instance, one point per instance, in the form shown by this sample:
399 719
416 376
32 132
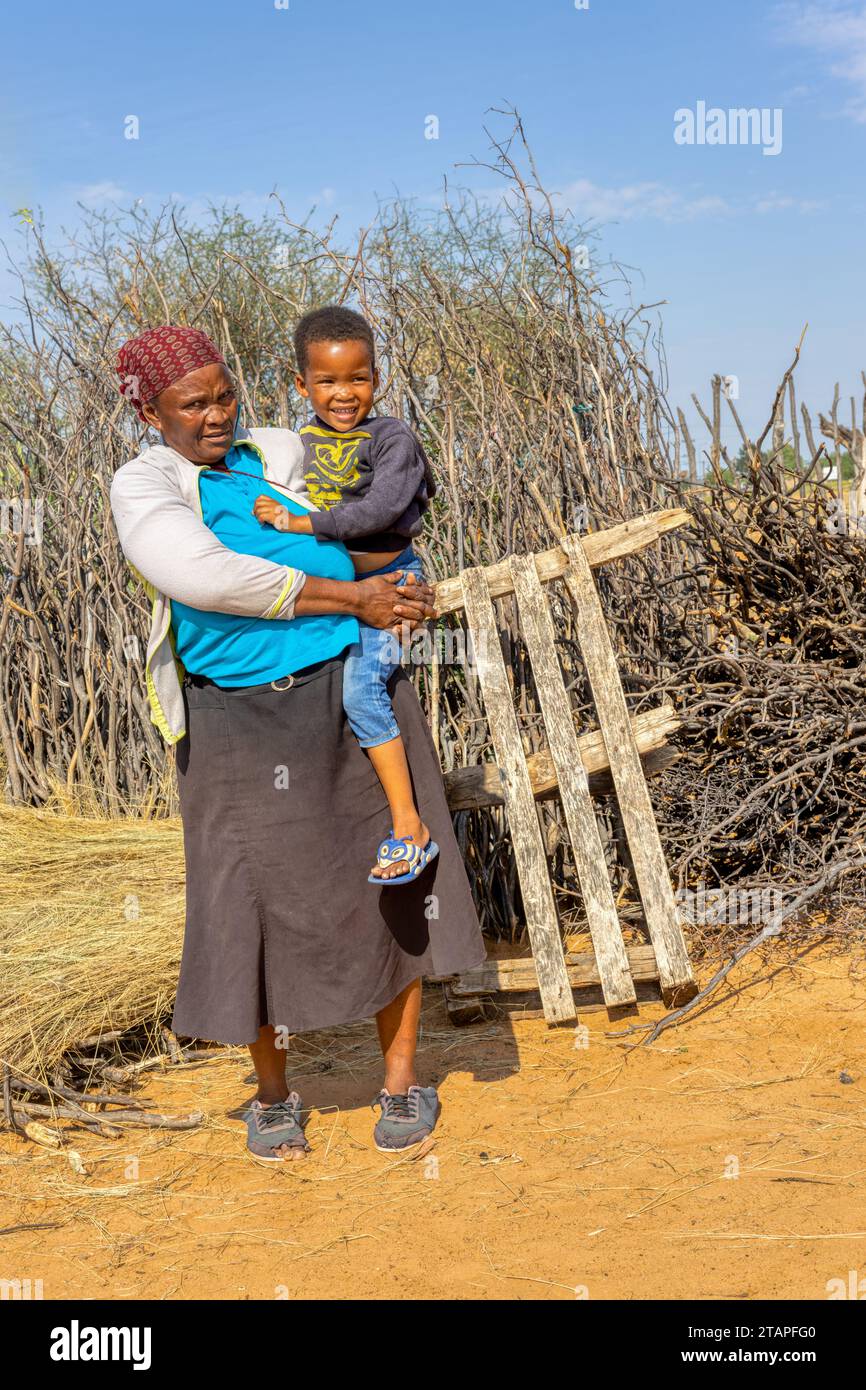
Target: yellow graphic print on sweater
331 463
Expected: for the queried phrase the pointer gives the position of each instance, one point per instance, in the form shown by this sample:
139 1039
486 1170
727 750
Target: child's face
340 382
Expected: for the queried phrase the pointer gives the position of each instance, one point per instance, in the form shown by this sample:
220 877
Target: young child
371 480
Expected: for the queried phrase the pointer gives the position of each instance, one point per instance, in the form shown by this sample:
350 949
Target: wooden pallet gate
573 769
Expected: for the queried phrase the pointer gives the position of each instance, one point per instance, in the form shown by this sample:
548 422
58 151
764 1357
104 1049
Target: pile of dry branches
771 787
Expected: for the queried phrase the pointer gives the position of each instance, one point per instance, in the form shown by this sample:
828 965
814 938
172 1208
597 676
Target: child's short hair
331 324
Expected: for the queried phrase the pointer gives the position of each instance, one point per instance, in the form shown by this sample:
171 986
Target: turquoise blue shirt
233 650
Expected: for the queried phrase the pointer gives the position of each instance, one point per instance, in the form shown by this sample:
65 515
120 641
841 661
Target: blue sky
327 103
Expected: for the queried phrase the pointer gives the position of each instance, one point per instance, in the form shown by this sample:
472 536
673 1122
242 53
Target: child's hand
269 511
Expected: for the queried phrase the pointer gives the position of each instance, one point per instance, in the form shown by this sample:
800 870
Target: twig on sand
192 1057
526 1278
81 1097
110 1129
760 1235
772 928
65 1103
31 1226
8 1111
26 1110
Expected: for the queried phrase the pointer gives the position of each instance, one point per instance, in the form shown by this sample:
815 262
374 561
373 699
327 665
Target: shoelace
275 1116
401 1107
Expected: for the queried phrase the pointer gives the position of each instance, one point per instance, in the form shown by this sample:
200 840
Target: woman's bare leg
397 1026
398 1035
270 1064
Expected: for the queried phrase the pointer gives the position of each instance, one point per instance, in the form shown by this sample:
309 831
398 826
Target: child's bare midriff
374 560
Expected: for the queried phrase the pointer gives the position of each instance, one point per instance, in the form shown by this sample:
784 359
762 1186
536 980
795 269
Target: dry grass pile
91 928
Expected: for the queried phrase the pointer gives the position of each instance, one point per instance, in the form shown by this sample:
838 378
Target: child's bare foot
413 829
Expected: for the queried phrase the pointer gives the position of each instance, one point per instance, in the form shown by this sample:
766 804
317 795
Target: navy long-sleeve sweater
372 483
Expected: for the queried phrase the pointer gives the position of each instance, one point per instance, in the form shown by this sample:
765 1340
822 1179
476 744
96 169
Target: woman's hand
394 601
382 600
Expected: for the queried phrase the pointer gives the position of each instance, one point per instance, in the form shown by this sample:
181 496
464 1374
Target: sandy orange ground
556 1168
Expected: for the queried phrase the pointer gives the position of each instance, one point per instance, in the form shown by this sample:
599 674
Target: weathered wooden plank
656 761
653 879
541 915
600 547
523 1004
469 788
465 1011
536 626
519 974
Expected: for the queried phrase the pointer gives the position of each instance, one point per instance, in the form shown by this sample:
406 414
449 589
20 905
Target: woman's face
196 416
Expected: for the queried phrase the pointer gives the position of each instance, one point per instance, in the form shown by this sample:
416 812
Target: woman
279 802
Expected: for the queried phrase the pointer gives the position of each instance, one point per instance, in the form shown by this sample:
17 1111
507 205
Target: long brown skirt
282 813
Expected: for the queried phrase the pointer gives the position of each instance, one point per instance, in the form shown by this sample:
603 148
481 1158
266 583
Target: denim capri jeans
369 664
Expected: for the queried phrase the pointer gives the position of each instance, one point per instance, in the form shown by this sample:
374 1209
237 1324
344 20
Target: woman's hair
331 324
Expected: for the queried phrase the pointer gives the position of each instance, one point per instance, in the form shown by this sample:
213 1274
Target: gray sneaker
405 1119
269 1126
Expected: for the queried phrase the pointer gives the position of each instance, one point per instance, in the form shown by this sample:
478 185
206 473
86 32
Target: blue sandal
403 849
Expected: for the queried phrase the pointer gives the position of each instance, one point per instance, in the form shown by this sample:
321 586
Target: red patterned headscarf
158 358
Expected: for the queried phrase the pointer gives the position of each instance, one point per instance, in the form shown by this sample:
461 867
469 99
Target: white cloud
781 202
797 93
837 30
107 192
594 202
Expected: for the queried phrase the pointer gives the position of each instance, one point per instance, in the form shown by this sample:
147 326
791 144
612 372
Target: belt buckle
275 685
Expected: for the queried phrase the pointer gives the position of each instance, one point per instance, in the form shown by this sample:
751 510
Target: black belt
307 673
